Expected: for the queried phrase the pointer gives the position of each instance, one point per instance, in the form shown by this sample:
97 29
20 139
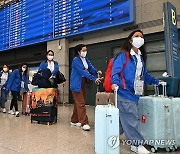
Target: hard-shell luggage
176 120
156 121
107 129
104 98
173 84
179 90
44 105
26 103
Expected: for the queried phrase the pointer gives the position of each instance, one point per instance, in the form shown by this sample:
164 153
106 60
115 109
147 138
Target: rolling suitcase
104 98
176 120
173 84
44 105
26 103
107 129
156 121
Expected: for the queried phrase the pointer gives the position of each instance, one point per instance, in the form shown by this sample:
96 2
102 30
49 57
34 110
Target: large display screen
25 22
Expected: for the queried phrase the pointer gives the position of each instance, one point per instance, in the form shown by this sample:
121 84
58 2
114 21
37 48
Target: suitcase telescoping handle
164 87
102 78
115 95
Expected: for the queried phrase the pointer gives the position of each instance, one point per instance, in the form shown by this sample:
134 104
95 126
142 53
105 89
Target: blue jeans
4 93
128 120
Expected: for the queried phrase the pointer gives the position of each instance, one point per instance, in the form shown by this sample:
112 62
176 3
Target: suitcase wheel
167 149
49 123
153 149
173 148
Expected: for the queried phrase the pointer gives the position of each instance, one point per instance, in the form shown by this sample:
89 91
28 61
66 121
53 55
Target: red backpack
107 79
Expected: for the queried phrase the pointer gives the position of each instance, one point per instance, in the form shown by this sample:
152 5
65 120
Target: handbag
53 82
60 78
35 79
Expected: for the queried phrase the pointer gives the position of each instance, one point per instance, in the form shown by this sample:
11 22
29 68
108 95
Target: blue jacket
78 72
14 82
129 76
7 78
44 65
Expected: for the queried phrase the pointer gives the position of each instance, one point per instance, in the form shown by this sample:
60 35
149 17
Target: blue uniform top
129 76
14 82
78 71
44 65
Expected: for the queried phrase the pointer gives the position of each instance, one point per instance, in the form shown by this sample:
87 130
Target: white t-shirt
4 78
51 66
84 63
139 65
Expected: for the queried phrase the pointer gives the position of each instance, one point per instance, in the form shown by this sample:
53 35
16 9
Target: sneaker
134 148
78 124
140 149
4 110
17 113
11 112
86 127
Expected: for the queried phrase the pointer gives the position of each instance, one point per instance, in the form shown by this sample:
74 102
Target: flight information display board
25 22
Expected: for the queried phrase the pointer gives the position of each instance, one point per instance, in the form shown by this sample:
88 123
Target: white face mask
50 57
5 69
83 54
23 69
138 42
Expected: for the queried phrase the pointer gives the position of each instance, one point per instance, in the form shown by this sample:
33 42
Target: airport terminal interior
30 28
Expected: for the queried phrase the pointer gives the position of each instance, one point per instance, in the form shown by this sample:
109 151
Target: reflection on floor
19 136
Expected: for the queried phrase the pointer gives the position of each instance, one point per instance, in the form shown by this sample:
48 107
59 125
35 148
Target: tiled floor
19 136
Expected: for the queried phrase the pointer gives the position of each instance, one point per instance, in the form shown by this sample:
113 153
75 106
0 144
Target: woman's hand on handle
99 72
98 81
113 86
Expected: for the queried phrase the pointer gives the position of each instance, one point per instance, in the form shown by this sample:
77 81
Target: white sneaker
140 149
134 148
78 124
11 112
17 113
4 110
86 127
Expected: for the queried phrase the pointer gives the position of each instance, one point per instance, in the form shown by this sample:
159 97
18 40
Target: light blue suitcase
156 122
176 117
107 129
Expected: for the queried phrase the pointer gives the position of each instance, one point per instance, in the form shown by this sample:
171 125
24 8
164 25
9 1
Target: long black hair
7 67
78 48
127 45
49 52
20 68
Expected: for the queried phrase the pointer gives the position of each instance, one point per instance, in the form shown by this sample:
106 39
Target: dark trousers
4 94
14 100
79 112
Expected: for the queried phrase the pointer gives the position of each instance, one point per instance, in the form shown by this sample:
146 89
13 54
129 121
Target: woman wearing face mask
50 64
135 76
81 69
17 81
4 92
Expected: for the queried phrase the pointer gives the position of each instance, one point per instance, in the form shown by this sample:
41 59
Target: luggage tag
139 86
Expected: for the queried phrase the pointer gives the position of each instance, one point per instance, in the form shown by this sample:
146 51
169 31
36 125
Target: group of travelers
17 82
135 76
